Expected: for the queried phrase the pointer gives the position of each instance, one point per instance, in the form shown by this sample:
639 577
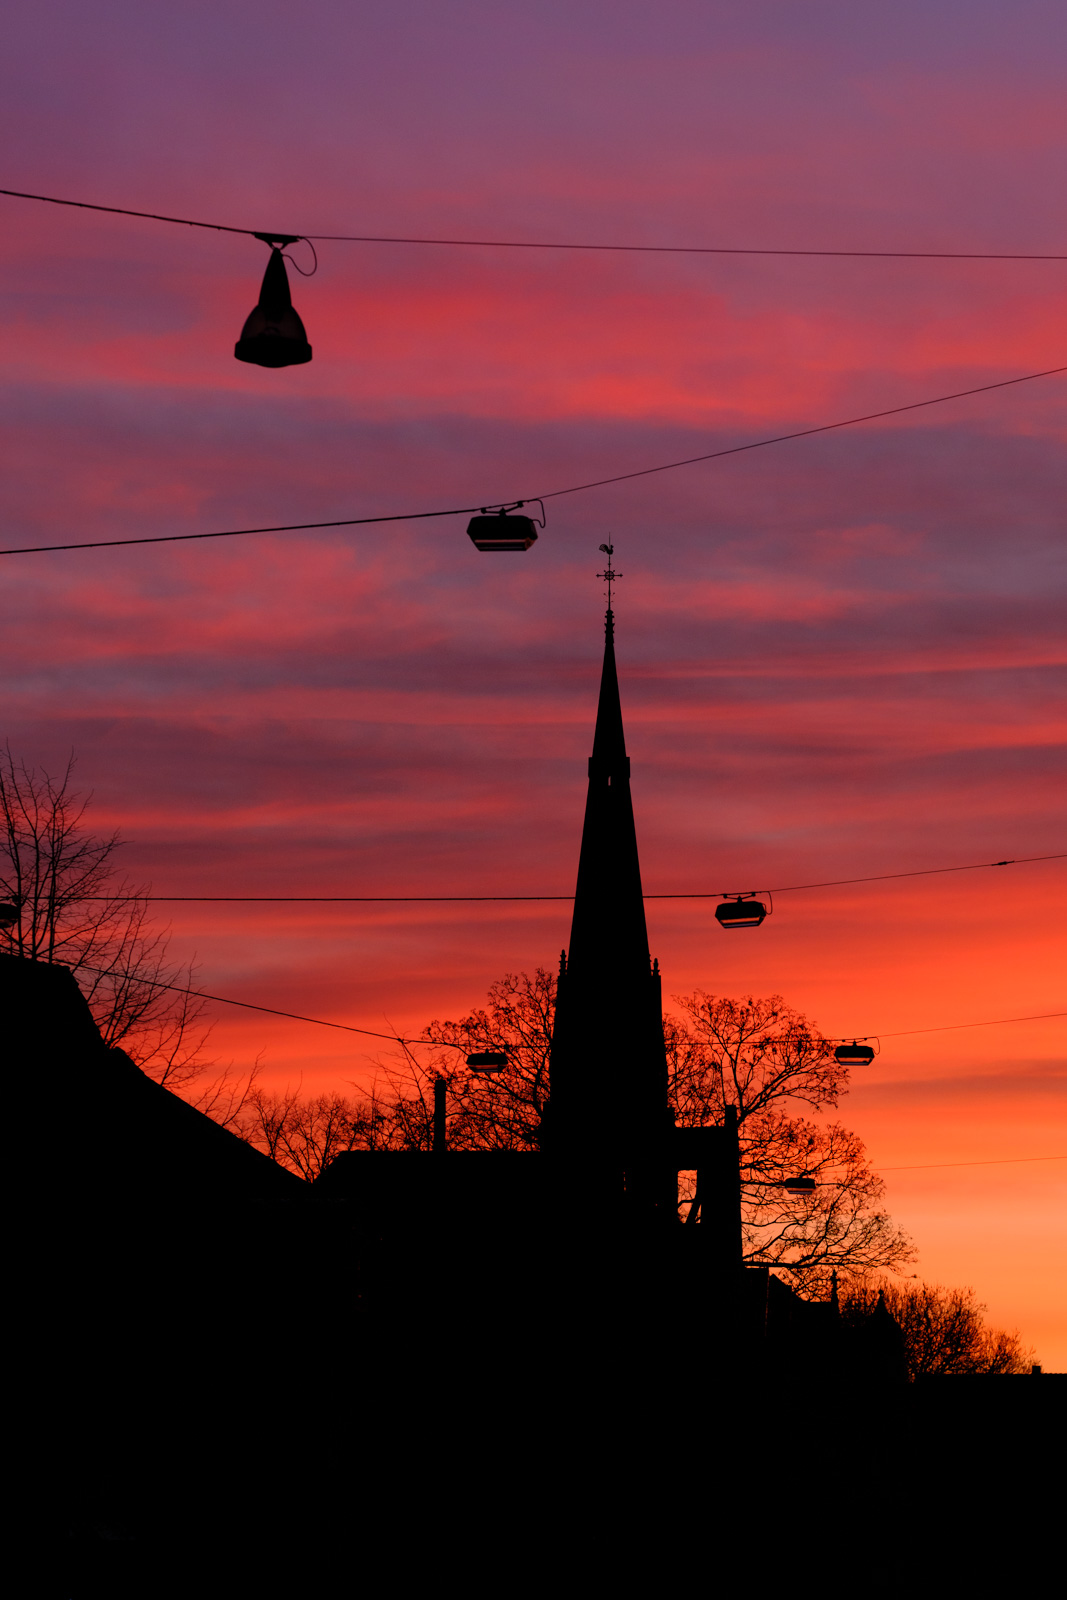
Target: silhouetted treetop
74 907
945 1332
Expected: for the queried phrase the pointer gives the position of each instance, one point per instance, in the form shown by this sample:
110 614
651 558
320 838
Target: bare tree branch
305 1133
767 1060
758 1055
945 1334
75 908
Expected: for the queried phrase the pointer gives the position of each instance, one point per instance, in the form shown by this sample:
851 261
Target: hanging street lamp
741 912
273 334
854 1054
502 531
487 1061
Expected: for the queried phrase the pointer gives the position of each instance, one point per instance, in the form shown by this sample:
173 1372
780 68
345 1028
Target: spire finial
610 574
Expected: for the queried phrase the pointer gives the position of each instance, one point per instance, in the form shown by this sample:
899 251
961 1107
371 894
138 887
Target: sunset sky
839 656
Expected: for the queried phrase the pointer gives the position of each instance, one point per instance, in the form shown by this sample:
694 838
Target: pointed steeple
609 1071
608 932
609 740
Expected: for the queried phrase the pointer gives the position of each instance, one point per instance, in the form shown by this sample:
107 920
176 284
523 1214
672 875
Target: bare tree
945 1332
72 905
768 1061
502 1110
758 1055
306 1133
497 1111
755 1054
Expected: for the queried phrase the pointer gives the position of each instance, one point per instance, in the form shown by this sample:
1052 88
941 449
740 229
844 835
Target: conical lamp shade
274 335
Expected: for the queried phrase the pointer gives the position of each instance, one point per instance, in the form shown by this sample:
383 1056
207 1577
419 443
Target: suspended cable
123 211
684 249
552 494
925 872
998 1161
238 533
540 244
271 1011
801 433
393 1038
347 1027
482 899
949 1027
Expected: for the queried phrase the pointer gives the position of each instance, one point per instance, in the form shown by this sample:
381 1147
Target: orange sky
839 656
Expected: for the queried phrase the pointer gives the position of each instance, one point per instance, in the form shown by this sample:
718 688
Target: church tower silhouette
609 1126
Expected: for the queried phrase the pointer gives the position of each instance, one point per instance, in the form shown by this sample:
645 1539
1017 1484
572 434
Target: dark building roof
112 1130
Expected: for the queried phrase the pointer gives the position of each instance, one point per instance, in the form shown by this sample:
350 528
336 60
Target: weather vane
610 575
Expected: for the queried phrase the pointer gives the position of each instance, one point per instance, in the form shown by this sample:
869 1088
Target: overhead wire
923 872
271 1011
238 533
542 244
803 433
950 1027
392 1038
997 1161
347 1027
686 249
482 899
552 494
124 211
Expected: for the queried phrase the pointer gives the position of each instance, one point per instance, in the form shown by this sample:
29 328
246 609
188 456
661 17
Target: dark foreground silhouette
427 1358
490 1370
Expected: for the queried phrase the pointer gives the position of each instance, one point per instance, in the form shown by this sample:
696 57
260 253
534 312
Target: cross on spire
610 574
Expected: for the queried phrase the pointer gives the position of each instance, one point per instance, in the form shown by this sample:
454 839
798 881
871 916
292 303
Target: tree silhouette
945 1334
500 1110
768 1061
306 1132
756 1054
72 905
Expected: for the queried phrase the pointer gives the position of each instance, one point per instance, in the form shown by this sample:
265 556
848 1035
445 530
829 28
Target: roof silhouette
119 1135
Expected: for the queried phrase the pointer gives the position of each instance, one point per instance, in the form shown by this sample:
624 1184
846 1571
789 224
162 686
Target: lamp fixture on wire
503 530
273 334
856 1052
743 911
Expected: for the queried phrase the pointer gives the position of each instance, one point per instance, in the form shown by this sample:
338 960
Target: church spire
608 933
609 1070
